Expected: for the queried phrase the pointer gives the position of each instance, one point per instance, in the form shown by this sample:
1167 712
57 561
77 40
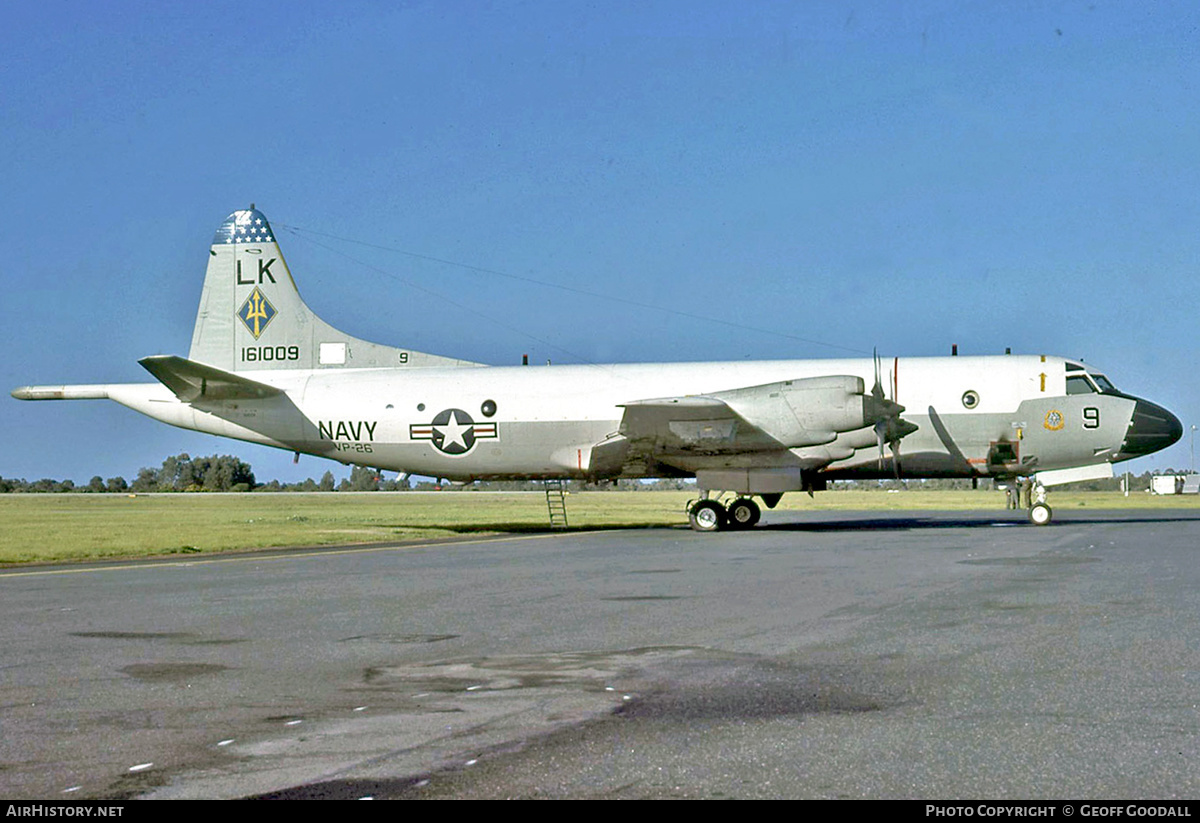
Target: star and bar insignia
453 432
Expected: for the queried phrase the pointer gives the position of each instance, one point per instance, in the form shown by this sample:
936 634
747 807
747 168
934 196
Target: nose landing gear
1032 496
1040 514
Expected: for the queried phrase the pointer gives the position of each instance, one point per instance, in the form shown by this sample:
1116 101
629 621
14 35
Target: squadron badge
453 432
256 312
1054 420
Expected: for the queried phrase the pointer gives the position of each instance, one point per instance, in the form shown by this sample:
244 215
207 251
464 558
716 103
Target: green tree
146 481
167 478
363 479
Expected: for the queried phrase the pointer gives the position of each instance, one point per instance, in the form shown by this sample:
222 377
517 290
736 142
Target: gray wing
788 423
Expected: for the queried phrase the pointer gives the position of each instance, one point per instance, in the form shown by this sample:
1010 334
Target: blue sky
822 178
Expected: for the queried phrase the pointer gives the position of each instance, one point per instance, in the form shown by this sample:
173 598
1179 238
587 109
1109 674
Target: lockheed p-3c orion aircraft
265 369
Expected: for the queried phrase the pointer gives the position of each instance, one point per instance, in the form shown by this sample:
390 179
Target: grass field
40 528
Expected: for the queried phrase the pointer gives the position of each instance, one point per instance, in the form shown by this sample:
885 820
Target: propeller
877 393
889 428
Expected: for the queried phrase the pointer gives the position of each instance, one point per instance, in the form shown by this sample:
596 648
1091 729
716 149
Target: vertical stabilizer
252 317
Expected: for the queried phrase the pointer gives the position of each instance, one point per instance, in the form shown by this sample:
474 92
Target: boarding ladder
556 503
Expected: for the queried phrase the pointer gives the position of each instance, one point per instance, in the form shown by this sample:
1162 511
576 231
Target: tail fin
252 317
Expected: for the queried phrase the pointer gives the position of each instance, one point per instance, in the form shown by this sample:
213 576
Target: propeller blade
889 427
877 389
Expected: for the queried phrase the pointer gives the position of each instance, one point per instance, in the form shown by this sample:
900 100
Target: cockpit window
1090 384
1078 384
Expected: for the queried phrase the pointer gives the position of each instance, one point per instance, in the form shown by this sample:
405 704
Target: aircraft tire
1040 514
707 516
743 513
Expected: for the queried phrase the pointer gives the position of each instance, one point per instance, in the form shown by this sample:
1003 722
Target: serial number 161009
254 354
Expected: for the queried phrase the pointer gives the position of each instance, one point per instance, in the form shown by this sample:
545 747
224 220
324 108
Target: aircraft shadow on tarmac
933 522
848 522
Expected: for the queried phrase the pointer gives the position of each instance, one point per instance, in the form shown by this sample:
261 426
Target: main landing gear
709 515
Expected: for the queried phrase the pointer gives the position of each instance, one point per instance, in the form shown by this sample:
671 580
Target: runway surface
927 655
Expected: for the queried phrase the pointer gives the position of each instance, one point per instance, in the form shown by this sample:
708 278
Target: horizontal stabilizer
192 381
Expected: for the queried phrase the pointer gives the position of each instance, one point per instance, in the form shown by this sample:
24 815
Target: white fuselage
545 420
264 368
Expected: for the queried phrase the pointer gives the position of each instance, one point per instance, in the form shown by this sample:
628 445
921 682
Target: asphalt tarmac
822 655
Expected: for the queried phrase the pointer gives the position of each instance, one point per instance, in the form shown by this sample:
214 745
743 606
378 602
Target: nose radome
1152 428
